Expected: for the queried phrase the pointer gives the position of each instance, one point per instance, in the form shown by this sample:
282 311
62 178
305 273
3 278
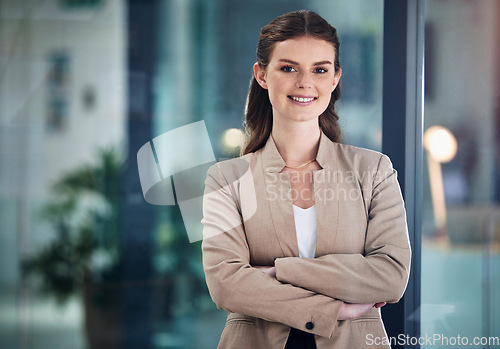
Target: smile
302 99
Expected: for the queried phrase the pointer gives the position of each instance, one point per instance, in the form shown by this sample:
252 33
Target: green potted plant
83 256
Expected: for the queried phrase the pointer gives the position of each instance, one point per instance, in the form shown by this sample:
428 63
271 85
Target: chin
304 118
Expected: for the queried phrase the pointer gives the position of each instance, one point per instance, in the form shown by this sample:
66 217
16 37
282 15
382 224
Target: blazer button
309 325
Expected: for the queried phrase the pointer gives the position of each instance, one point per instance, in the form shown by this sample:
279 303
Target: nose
304 80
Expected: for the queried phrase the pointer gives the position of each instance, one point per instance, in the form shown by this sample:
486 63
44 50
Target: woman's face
300 78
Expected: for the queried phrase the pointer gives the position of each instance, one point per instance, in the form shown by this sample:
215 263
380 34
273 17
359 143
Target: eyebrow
296 63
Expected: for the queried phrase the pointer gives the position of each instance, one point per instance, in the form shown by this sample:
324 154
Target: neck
297 144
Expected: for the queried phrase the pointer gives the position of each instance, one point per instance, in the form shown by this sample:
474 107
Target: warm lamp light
440 143
232 138
441 146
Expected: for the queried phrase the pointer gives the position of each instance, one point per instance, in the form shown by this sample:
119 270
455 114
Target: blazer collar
273 162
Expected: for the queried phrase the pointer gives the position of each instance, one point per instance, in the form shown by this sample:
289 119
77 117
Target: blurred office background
461 221
86 262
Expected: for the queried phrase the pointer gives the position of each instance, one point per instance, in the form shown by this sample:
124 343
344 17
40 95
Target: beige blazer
362 250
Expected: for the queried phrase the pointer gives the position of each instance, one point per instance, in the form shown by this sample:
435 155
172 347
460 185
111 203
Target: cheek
327 85
275 92
326 100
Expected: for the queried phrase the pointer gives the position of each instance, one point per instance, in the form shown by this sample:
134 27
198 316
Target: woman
304 238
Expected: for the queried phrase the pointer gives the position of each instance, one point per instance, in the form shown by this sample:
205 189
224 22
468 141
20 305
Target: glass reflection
460 248
86 261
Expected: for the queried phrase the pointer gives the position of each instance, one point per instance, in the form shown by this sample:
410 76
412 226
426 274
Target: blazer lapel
326 194
278 194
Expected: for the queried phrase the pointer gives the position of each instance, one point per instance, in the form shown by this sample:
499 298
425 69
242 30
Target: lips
302 99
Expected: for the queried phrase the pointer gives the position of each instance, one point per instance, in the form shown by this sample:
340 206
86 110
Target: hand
268 270
352 311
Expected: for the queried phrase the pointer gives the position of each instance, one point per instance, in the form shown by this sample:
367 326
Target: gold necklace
296 167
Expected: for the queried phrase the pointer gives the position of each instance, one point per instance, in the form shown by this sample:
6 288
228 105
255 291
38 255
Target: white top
305 226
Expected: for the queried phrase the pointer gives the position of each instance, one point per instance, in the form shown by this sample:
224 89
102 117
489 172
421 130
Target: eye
287 69
320 70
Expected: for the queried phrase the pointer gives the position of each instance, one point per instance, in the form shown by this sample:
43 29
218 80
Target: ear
260 75
336 79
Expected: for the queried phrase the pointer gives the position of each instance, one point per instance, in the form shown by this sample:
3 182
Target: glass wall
62 141
461 211
205 55
206 50
86 261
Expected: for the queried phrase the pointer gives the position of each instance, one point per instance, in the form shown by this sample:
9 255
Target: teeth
302 100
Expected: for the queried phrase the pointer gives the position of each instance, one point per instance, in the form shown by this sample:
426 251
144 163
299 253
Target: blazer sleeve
381 274
236 286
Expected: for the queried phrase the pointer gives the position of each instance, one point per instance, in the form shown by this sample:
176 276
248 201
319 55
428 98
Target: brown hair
258 111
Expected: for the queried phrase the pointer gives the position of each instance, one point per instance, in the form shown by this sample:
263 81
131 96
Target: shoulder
232 169
360 157
366 163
